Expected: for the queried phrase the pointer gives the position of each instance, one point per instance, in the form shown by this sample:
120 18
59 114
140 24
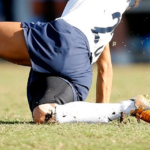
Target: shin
92 112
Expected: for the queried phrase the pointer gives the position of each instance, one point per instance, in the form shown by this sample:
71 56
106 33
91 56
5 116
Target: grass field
18 133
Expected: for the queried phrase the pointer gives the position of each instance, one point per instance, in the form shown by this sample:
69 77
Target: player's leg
94 112
75 112
46 92
102 112
12 43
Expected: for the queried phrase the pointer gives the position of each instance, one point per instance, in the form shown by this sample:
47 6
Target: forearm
104 84
104 76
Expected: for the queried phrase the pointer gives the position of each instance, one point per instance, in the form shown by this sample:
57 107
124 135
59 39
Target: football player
60 53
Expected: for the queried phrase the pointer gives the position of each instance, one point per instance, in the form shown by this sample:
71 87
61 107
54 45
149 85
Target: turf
17 131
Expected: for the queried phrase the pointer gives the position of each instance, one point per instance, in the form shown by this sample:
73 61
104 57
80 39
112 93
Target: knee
43 113
38 115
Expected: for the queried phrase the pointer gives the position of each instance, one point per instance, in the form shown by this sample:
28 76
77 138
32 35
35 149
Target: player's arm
104 76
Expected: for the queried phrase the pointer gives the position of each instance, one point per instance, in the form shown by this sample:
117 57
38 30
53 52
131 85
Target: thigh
50 90
12 43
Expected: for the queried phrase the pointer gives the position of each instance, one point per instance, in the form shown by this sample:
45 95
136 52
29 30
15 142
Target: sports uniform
66 48
97 19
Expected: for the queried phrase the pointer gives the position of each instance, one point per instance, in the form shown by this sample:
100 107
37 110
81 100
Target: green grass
18 133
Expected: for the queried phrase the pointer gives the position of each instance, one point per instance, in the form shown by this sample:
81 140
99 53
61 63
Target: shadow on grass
15 122
23 123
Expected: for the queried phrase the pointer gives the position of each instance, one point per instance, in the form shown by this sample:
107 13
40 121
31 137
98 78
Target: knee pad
50 90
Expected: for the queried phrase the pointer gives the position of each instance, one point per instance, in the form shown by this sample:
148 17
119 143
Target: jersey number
98 30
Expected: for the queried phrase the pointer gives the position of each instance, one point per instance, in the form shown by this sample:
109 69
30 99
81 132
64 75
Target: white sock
92 112
127 106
